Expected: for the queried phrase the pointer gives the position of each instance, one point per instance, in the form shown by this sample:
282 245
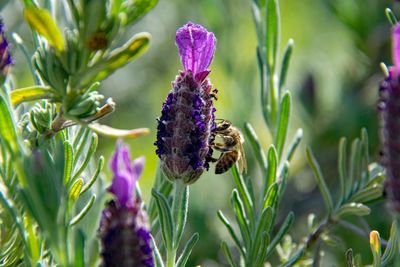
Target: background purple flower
124 229
187 115
5 56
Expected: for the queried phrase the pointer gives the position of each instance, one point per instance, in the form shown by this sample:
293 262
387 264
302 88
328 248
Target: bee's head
222 125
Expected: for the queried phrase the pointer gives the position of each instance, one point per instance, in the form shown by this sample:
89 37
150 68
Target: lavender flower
124 230
5 56
389 108
187 116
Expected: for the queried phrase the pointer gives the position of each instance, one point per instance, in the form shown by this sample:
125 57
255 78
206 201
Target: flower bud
187 116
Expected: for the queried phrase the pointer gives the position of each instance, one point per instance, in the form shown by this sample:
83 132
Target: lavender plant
57 208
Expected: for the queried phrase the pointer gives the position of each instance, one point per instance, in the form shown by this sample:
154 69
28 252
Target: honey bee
231 147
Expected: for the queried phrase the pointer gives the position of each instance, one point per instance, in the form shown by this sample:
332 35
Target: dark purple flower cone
125 237
187 116
389 109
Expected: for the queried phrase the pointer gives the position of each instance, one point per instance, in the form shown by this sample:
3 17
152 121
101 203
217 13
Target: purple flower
124 228
389 109
5 56
187 115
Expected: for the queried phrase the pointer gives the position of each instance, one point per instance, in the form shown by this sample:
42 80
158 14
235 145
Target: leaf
100 166
353 208
32 93
294 144
83 212
320 180
136 46
272 167
42 22
391 16
179 210
92 148
75 190
285 63
342 169
138 9
367 194
107 131
354 166
227 254
8 130
273 33
283 123
256 146
243 193
241 217
281 233
157 256
165 217
187 250
263 228
68 161
272 196
392 248
228 226
79 249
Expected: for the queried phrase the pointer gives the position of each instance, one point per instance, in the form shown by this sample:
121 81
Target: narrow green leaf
165 218
241 217
83 212
79 249
256 146
135 47
342 169
281 233
273 33
263 228
320 180
284 115
21 95
75 190
367 194
157 256
179 209
262 255
80 141
8 130
393 246
88 156
285 63
353 208
354 166
228 254
391 16
100 166
42 22
137 9
244 194
295 257
187 250
272 196
294 144
228 226
68 161
364 157
272 168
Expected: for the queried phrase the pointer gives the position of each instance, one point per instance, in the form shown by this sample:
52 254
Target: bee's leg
214 94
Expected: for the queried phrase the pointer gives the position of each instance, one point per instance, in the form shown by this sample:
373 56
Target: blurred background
333 76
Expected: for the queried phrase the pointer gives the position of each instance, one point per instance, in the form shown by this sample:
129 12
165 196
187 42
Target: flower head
124 229
5 56
187 115
389 109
